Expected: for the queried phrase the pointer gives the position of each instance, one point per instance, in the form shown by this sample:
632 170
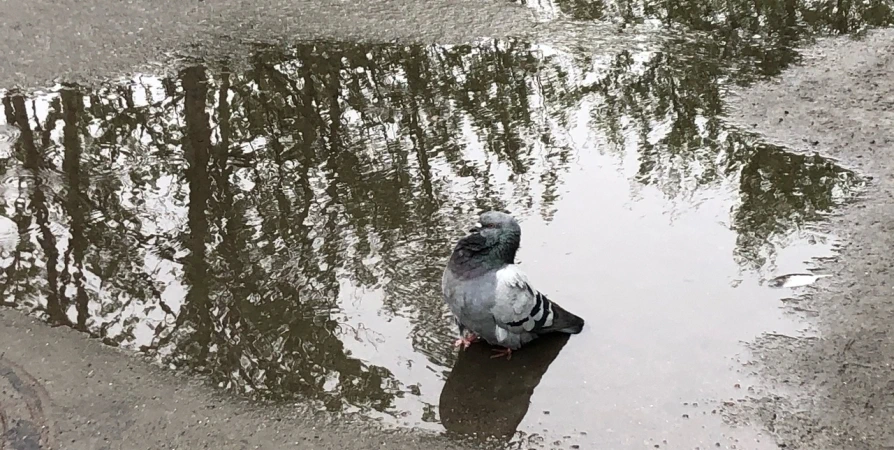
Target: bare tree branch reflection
220 219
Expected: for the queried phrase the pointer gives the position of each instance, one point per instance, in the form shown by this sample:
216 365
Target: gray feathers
491 297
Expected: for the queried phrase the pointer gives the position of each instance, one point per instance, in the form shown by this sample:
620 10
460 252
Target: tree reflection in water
214 218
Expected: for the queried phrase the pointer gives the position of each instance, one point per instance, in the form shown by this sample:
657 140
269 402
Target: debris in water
794 280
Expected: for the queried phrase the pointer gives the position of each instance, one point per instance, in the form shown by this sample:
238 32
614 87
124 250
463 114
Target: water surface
282 228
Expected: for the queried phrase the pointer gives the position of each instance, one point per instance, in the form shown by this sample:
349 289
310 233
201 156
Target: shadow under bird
484 400
489 295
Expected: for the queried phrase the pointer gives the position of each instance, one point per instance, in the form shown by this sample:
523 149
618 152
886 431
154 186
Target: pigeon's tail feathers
564 321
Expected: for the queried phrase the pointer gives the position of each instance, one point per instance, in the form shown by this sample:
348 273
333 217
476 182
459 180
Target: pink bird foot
465 341
500 352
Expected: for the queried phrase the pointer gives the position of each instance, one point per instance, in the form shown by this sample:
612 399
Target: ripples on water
283 229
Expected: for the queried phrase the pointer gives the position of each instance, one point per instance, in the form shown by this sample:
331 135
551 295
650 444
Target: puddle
282 229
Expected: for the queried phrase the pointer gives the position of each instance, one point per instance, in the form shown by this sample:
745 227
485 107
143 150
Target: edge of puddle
823 392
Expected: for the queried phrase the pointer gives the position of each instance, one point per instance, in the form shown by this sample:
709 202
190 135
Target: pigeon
490 296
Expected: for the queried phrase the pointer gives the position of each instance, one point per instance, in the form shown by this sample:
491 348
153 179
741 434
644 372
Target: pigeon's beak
476 228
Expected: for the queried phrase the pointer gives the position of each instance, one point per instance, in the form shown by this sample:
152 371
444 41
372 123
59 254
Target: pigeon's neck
471 259
506 249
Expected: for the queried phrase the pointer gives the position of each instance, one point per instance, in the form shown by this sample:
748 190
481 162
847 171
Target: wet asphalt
835 390
87 41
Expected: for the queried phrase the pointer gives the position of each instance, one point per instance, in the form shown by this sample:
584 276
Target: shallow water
283 228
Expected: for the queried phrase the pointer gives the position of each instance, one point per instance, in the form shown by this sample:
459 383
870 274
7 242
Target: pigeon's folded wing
519 308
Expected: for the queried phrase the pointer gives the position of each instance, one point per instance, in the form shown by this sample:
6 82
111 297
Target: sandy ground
836 391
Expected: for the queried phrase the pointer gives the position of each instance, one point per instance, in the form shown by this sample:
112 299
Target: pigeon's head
498 228
493 241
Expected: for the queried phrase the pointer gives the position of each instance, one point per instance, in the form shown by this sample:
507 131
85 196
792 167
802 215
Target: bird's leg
500 352
466 340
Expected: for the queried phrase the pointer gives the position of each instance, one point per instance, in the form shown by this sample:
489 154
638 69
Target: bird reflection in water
484 398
